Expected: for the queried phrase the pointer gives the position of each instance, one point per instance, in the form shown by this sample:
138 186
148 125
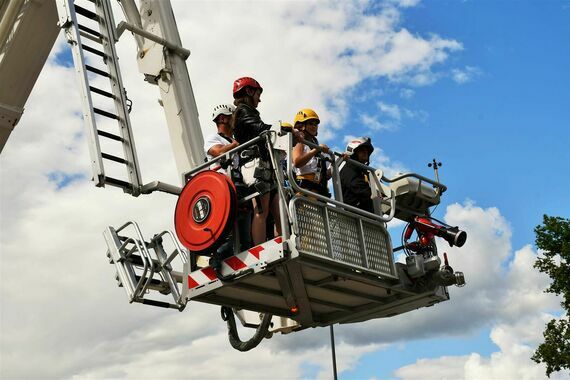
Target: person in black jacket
354 180
247 125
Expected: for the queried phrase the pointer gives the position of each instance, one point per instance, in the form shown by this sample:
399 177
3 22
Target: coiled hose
235 341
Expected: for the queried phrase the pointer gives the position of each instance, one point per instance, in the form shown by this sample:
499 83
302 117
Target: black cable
260 333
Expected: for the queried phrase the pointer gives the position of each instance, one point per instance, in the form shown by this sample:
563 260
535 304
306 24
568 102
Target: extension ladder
97 25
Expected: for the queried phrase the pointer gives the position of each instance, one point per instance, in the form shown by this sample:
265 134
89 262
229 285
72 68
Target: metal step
138 262
113 158
89 30
85 12
97 71
105 113
109 135
101 92
94 51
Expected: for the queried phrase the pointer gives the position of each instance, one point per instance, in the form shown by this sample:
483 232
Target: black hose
235 341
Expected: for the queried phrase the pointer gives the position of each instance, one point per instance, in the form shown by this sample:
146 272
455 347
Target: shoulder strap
225 137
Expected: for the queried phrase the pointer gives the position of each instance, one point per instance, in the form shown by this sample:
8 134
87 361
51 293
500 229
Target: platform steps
144 269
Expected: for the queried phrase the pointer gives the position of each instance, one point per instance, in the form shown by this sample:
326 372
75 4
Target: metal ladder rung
114 158
93 32
98 71
118 183
165 305
109 135
94 51
105 113
86 13
101 92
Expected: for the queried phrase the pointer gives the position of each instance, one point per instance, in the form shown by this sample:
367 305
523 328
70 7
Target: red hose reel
205 212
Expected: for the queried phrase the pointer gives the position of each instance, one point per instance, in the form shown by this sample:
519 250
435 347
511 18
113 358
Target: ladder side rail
148 266
126 274
68 22
107 28
141 283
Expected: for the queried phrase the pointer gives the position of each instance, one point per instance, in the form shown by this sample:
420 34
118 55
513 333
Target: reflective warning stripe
236 263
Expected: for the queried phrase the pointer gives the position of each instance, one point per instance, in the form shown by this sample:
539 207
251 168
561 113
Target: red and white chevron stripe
257 257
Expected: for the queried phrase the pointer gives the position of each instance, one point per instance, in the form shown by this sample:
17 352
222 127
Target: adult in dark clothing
247 124
354 180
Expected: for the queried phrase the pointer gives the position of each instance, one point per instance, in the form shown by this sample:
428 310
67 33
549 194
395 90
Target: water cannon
426 226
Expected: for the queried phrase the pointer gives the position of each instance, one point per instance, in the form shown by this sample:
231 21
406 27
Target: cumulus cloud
390 117
465 75
512 361
373 124
407 93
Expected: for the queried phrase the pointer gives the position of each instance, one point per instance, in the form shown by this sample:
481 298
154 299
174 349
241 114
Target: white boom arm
163 63
28 30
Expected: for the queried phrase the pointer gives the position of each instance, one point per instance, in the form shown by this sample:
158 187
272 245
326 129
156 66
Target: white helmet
357 143
223 109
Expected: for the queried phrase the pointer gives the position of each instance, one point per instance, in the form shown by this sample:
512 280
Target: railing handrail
343 205
439 185
226 155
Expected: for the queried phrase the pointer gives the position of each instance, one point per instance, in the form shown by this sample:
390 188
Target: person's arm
219 149
301 159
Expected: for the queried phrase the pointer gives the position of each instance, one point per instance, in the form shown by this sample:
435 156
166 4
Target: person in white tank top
312 169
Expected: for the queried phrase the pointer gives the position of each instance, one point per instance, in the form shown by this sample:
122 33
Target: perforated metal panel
335 234
377 244
312 219
346 245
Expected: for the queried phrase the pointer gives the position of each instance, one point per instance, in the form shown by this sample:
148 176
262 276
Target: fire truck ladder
97 25
144 266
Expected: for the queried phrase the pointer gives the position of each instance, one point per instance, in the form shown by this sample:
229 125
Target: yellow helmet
304 115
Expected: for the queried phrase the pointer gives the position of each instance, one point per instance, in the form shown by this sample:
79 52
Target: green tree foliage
553 238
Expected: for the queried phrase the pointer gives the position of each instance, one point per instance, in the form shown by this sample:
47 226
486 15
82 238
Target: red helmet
244 82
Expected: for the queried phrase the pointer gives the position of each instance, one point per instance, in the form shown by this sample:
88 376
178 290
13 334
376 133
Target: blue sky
491 101
503 136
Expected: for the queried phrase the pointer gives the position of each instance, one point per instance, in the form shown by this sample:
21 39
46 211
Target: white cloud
407 93
512 361
373 124
390 110
465 75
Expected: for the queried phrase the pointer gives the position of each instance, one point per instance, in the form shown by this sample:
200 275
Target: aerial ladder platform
333 263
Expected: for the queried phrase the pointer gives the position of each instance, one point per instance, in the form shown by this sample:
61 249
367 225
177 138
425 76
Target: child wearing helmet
311 167
354 180
215 145
247 125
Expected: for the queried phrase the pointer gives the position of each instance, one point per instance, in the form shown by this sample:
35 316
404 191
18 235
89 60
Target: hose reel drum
205 212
